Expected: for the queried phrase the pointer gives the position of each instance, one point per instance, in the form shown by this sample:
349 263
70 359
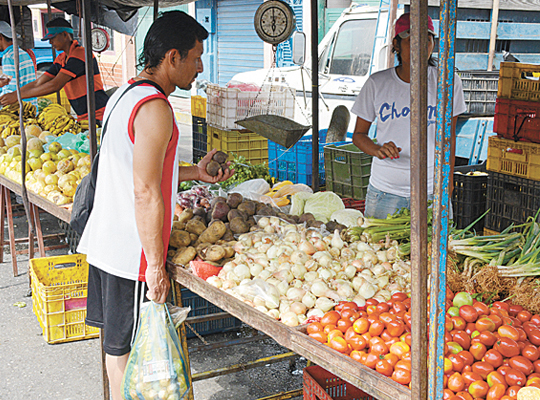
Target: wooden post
314 96
49 15
493 36
390 35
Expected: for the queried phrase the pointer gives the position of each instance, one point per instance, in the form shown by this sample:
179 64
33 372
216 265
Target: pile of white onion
292 273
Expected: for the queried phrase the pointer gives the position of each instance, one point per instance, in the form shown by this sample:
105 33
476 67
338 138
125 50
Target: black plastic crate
469 196
510 200
200 137
72 237
198 155
200 306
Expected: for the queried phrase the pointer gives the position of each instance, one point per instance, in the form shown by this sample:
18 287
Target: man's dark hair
58 22
172 30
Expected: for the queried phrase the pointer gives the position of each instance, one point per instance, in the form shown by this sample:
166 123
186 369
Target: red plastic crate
359 205
319 384
517 120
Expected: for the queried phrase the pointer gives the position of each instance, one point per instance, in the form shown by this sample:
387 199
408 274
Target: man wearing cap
27 71
386 97
67 72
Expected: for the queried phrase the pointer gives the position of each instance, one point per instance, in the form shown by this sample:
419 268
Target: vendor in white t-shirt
386 97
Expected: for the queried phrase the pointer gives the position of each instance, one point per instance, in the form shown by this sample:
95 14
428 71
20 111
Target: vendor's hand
4 80
221 176
8 98
158 283
388 150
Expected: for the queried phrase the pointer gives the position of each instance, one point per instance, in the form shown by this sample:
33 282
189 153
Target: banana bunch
10 128
6 118
61 125
29 110
55 119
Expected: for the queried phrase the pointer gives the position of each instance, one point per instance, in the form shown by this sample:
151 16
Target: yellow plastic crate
513 82
63 99
247 144
59 287
521 159
198 106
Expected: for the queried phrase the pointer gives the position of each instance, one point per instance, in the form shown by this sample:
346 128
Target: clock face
100 40
274 21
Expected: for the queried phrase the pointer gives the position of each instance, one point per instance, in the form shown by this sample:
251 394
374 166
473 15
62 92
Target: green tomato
462 299
453 311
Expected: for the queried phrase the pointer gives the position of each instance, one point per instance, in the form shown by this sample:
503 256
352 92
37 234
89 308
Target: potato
267 211
171 253
251 222
213 253
217 200
258 206
248 207
184 256
193 238
195 226
213 233
200 211
179 226
234 213
238 225
234 200
220 211
186 215
229 251
202 246
220 157
228 235
212 168
305 218
179 239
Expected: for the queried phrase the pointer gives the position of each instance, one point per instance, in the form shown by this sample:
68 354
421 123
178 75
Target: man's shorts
113 304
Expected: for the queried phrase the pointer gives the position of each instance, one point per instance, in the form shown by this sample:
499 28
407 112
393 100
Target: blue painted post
441 207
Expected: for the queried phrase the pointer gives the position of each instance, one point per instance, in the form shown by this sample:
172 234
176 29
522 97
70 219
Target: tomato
401 376
350 314
361 325
464 396
455 382
319 337
522 334
468 313
467 357
392 359
478 350
330 318
487 338
399 296
496 392
371 360
530 381
496 320
470 328
506 331
534 336
357 342
373 317
462 339
329 328
494 358
372 302
522 364
447 394
386 317
494 378
407 338
454 348
535 319
382 307
536 365
448 367
484 324
339 344
347 305
504 370
501 305
401 364
470 377
315 327
376 328
392 341
457 362
505 397
448 324
478 389
343 325
384 367
349 333
379 348
399 349
515 378
407 357
334 333
509 321
481 308
512 391
482 368
459 323
396 328
507 347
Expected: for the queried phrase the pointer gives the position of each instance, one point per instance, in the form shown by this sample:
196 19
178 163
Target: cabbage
323 204
348 217
298 200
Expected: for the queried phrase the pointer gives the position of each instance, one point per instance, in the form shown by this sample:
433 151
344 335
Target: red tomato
494 358
379 348
514 310
329 328
504 370
376 328
478 350
521 364
496 392
339 344
464 396
536 366
507 347
534 336
470 328
350 314
494 378
399 296
457 362
512 391
487 338
485 324
535 319
478 389
481 308
319 336
506 331
515 378
357 355
462 339
382 307
467 357
384 367
456 383
348 305
470 377
468 313
372 302
447 394
501 305
402 376
496 319
371 360
330 318
454 348
482 368
403 365
396 328
361 325
315 327
459 323
357 342
386 317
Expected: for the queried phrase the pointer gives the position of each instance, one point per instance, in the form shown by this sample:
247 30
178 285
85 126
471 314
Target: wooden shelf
364 378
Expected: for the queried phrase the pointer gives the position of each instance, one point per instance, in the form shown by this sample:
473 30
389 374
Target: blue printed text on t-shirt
390 111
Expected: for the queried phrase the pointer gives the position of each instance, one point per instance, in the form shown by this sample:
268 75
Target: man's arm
152 127
43 86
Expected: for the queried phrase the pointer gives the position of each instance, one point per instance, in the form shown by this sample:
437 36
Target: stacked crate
514 155
199 132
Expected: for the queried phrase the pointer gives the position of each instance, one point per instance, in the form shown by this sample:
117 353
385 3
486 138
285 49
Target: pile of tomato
491 352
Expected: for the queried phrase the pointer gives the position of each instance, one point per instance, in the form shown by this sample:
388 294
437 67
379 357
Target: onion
269 229
289 318
325 273
264 275
284 275
272 252
358 264
298 308
282 287
319 288
337 242
295 294
325 260
263 222
334 252
259 301
233 277
347 253
312 265
297 283
309 300
229 266
370 257
367 290
311 276
299 271
345 291
324 304
242 272
306 247
363 246
378 270
315 312
273 313
299 257
228 284
215 281
359 300
302 319
381 255
273 281
357 282
256 269
284 306
382 281
320 245
274 221
293 237
262 309
350 271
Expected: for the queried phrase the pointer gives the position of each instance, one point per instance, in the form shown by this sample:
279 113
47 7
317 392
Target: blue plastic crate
295 164
200 306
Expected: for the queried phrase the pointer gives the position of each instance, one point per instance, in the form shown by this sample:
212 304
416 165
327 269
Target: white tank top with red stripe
110 239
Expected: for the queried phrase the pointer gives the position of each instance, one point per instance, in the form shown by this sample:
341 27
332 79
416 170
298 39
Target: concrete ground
31 369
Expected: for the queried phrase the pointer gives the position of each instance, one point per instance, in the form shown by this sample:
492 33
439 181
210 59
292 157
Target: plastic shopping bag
156 368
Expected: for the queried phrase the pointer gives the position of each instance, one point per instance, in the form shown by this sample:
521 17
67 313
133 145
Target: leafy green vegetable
244 171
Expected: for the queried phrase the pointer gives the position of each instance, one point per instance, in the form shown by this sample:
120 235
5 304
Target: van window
353 47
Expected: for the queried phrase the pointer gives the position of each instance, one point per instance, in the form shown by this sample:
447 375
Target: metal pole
49 15
390 33
493 36
442 190
419 63
156 9
315 95
24 193
89 69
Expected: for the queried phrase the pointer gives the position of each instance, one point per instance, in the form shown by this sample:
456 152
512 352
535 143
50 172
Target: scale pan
280 130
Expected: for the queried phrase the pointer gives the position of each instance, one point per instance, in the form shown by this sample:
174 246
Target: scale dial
100 40
274 21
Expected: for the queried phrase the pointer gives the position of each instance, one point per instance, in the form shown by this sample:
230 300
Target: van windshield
352 49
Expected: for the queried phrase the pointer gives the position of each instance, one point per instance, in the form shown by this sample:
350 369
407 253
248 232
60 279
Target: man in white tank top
127 234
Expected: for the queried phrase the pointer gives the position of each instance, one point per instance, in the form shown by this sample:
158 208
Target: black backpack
83 201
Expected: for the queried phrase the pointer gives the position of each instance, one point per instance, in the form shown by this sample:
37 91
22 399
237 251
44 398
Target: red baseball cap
403 26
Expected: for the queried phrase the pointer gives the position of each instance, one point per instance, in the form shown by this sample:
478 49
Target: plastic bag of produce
156 368
323 204
348 217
